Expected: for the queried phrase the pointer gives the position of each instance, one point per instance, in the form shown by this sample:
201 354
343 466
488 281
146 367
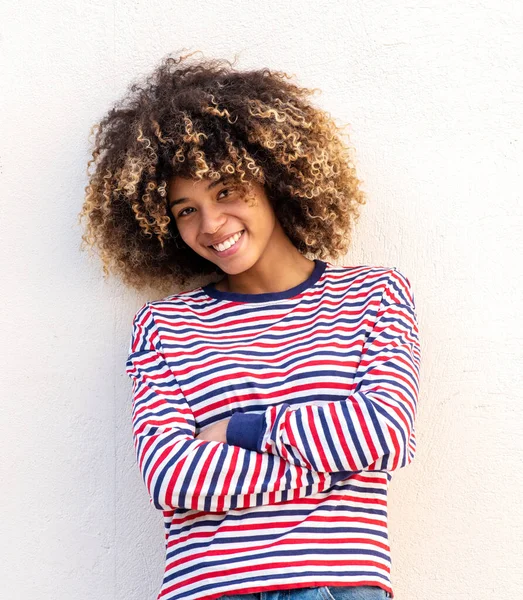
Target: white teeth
228 243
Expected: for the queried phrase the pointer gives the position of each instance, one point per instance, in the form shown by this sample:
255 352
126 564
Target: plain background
433 93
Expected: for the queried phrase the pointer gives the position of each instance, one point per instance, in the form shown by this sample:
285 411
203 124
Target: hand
215 432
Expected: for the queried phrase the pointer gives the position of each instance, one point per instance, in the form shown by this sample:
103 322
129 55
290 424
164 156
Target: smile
229 246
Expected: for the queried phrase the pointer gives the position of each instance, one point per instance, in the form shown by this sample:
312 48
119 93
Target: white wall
433 92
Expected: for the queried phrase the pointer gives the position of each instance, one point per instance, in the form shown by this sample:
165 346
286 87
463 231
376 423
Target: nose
212 220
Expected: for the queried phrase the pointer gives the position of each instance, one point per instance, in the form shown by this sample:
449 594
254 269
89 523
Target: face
207 212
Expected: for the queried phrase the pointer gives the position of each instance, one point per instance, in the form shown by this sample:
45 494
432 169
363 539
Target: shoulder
354 274
175 309
381 280
180 300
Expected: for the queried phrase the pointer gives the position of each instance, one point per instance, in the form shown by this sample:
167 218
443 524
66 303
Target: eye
180 214
229 190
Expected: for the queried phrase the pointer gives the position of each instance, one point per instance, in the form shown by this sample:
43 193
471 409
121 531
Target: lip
225 238
232 250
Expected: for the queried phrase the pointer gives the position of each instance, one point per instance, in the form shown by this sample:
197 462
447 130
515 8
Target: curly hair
204 119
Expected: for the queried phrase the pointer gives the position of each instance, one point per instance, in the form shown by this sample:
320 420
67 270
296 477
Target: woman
270 406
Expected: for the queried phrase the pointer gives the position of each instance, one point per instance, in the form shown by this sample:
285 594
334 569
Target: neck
280 268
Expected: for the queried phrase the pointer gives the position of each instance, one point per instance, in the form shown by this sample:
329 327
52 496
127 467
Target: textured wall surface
433 92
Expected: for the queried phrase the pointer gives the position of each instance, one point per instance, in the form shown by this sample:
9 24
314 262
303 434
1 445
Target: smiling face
207 212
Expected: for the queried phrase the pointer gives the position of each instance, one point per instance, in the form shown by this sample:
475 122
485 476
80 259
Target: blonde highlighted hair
204 119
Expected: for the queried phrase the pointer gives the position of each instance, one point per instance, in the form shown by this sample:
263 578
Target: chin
232 270
235 268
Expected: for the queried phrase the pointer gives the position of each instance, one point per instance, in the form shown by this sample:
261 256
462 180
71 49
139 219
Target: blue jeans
325 592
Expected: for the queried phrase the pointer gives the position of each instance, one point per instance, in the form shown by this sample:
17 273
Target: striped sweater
320 383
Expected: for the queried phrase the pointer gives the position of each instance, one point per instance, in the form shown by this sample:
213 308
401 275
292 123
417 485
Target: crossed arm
285 452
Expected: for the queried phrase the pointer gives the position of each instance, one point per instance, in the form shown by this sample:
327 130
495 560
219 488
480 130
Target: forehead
187 185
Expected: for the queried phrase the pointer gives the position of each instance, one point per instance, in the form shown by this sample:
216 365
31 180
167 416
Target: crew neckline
317 272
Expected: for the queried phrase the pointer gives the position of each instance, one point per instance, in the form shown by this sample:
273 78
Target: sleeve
181 471
373 429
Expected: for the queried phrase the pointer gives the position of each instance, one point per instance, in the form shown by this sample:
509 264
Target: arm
181 471
373 429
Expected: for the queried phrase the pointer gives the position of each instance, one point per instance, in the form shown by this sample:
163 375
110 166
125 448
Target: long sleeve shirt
320 383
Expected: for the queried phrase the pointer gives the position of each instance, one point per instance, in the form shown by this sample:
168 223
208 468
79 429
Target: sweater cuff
245 430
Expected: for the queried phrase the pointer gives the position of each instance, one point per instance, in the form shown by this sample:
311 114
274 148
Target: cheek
256 211
184 233
265 216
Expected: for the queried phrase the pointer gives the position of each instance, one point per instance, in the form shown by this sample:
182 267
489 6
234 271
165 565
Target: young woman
270 405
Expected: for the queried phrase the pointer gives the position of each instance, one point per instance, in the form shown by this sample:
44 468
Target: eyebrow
209 187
